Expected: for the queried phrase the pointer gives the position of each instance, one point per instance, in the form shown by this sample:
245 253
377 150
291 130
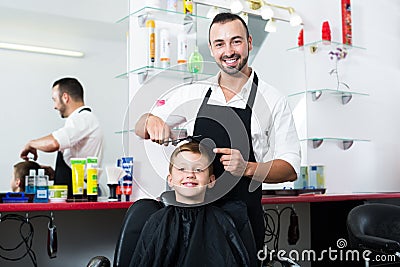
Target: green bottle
195 64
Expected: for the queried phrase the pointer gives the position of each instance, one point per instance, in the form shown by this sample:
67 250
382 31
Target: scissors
189 138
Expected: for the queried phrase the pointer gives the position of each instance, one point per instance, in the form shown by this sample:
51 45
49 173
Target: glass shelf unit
317 45
160 14
346 143
317 93
145 71
125 131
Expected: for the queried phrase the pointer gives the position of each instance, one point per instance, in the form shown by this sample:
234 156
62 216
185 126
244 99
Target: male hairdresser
80 137
245 117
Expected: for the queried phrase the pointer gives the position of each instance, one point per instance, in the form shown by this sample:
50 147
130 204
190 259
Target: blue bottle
30 182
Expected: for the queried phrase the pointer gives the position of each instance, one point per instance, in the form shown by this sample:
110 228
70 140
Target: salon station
334 63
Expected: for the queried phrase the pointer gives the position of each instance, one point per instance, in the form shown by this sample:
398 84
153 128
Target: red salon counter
308 198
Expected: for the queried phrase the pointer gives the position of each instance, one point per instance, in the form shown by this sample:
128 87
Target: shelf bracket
316 95
316 143
347 144
188 24
346 97
142 76
142 19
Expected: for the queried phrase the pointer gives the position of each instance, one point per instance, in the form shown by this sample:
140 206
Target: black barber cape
190 236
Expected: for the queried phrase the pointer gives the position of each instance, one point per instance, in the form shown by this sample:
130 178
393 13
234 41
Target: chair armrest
378 243
99 261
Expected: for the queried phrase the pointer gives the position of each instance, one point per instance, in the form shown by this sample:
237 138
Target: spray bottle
195 64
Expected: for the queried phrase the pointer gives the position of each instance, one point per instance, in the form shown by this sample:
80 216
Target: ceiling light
270 26
42 50
212 12
295 19
266 12
245 17
236 6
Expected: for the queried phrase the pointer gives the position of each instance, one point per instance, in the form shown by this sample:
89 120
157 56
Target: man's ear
169 179
212 181
209 47
18 181
250 42
65 97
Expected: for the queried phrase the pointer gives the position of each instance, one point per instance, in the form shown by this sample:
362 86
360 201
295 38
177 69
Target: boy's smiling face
190 177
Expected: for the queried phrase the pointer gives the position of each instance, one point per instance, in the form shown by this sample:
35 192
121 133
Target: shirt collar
243 94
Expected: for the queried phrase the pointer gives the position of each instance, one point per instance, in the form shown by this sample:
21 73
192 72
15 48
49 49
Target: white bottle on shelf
182 49
165 49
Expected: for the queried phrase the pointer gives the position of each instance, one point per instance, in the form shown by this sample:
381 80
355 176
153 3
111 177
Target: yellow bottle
91 178
78 173
187 6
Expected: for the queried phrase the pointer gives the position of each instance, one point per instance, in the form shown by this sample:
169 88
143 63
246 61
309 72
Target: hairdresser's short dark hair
70 86
227 17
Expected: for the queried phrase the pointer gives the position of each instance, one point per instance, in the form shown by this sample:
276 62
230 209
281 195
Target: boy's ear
18 181
212 181
169 179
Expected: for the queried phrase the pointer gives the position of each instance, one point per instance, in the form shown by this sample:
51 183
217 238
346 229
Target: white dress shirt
273 131
81 136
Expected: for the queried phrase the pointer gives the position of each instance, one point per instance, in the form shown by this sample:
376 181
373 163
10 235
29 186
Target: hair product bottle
187 6
30 182
182 49
150 24
42 191
346 22
91 178
195 64
165 48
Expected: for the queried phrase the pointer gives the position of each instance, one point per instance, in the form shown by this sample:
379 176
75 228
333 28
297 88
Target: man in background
80 137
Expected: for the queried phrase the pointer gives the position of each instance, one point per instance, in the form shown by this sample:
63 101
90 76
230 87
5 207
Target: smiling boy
190 173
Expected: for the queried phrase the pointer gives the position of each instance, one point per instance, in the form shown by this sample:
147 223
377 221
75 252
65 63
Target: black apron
63 172
229 127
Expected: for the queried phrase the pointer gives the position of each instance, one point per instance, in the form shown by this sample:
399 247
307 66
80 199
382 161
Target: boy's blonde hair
193 147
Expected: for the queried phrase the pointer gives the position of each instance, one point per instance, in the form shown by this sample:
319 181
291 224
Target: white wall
366 166
26 80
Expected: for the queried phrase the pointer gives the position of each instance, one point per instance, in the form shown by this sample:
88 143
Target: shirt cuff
62 139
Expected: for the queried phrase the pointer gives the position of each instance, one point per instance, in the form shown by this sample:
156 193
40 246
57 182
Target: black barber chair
376 227
134 220
137 215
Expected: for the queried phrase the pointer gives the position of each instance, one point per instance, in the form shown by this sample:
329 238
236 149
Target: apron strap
85 109
252 96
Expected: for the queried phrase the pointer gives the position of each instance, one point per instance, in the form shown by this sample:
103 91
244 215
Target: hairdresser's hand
232 160
26 150
157 130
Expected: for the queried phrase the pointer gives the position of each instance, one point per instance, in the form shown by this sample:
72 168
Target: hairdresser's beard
232 70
